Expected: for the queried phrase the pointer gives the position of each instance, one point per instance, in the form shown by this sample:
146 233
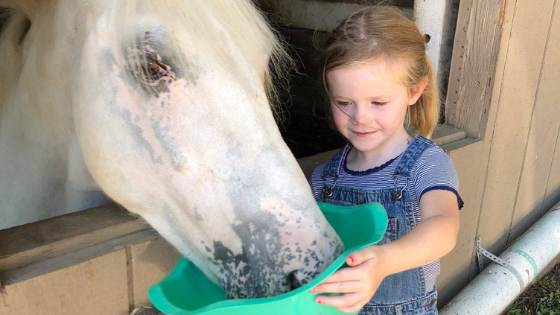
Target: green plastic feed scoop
187 291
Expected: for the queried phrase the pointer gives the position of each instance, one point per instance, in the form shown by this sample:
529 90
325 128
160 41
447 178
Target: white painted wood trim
429 17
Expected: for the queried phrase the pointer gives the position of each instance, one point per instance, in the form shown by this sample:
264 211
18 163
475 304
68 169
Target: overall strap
334 166
415 148
409 157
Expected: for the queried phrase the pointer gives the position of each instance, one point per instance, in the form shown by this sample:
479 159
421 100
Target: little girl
377 76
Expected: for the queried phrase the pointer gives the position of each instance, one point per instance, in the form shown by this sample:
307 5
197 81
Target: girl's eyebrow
379 96
369 98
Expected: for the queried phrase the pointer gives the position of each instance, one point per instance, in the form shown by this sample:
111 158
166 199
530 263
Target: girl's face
369 106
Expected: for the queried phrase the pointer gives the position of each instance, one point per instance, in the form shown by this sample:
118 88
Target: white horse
161 105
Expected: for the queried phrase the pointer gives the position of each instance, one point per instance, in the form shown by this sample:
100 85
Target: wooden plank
54 263
471 161
483 156
446 134
515 105
149 261
539 151
430 18
552 194
98 286
446 50
476 48
30 243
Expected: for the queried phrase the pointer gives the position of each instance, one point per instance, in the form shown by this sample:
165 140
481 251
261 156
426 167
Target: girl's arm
432 239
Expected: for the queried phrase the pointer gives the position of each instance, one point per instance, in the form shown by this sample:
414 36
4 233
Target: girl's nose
362 115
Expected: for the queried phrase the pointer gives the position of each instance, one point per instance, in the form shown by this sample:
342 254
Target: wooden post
473 66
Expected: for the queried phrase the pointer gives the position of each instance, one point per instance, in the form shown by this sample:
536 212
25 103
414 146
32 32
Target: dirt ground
542 298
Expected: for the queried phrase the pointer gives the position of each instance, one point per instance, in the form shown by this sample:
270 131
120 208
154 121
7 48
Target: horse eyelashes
153 69
147 66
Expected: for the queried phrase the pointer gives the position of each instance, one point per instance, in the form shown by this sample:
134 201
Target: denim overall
402 293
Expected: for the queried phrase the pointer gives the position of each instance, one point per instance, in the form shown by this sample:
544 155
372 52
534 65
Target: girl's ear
417 91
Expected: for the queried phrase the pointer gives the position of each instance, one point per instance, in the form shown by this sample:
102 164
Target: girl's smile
363 134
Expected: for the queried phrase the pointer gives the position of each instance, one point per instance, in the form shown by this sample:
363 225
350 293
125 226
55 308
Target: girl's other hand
358 282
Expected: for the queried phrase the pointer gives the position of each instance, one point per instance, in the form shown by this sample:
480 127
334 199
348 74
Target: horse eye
152 68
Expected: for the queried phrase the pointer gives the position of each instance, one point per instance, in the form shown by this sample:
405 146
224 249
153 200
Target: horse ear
21 21
25 29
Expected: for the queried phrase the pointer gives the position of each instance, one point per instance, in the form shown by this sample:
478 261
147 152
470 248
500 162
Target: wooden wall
512 177
102 266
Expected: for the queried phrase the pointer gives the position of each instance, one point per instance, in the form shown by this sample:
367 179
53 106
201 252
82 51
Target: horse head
163 106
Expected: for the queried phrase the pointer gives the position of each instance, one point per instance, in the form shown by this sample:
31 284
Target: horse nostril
293 281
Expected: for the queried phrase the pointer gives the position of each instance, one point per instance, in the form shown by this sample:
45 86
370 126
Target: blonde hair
382 33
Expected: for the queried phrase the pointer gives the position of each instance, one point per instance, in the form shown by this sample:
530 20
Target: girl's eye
342 103
379 103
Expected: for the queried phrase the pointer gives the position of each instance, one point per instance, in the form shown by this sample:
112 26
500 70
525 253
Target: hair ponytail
424 115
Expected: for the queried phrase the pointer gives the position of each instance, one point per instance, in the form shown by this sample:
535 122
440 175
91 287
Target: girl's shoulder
318 171
423 154
434 170
433 156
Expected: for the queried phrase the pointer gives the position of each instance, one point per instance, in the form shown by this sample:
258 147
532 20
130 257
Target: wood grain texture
150 262
469 160
471 163
95 287
473 65
541 140
31 243
525 53
552 192
44 265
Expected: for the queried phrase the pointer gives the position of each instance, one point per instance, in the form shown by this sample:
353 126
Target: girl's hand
358 282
